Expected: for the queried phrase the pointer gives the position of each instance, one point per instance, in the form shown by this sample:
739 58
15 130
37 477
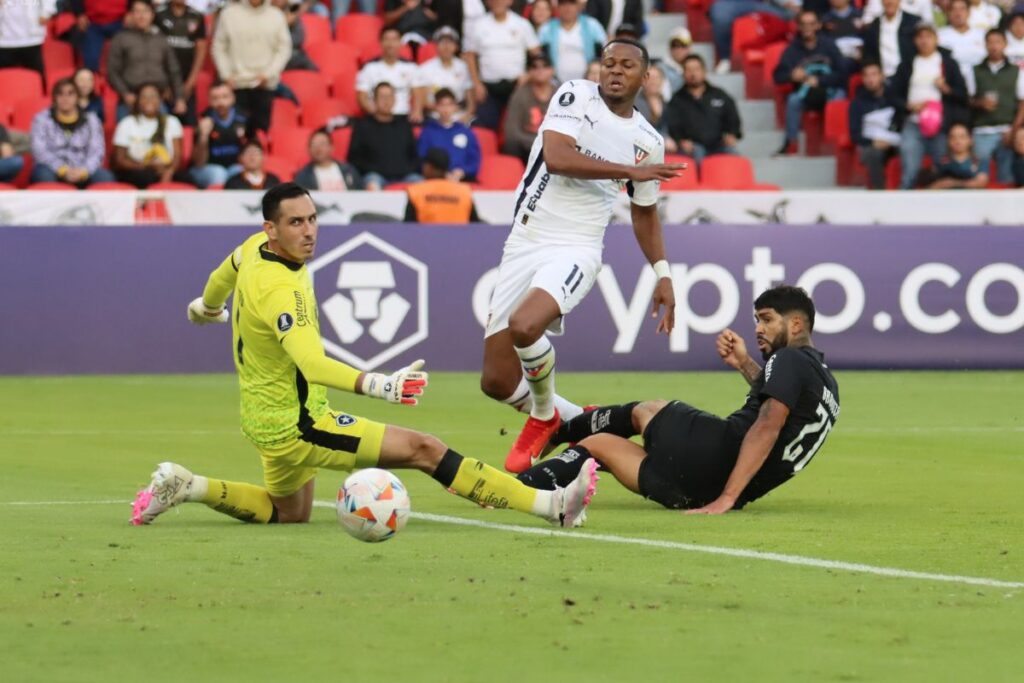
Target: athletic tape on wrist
661 269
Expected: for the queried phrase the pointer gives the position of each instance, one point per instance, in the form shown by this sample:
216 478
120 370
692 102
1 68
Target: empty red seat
291 143
488 140
317 28
729 172
755 31
50 186
361 31
344 88
688 180
315 114
283 168
5 113
428 51
188 138
334 58
18 83
283 113
307 85
203 82
26 109
341 139
58 55
500 172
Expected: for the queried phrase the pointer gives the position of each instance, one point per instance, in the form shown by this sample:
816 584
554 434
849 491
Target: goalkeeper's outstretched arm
222 281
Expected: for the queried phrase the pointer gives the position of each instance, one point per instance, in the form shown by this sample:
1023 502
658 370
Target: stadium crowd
246 94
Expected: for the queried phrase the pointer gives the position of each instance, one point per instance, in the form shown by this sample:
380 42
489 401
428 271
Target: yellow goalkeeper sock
485 485
247 502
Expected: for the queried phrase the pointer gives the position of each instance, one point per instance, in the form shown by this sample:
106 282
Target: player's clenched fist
732 348
200 314
401 387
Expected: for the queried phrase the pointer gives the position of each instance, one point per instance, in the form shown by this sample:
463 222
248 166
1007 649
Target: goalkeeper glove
200 314
401 387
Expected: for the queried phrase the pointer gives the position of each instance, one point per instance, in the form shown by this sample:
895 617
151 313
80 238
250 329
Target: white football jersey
559 210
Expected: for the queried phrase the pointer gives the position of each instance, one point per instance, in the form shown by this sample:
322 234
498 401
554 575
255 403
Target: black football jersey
799 378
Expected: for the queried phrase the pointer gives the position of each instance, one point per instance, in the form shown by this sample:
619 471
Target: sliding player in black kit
696 461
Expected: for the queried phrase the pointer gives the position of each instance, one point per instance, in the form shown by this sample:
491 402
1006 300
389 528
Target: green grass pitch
924 472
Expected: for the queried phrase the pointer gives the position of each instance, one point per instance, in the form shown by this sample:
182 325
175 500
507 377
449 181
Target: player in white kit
591 145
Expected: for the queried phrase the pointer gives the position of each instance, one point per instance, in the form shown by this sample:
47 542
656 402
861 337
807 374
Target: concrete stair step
796 173
759 143
757 115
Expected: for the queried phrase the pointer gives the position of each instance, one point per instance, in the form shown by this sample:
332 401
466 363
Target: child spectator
88 99
959 169
458 140
251 176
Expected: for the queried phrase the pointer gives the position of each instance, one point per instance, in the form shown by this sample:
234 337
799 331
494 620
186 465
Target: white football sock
197 491
538 361
567 410
521 399
544 504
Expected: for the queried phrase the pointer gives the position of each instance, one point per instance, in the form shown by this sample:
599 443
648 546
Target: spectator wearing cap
966 44
871 117
22 32
251 47
458 140
680 43
438 198
1015 38
448 71
96 22
67 142
415 20
324 172
814 67
572 40
996 88
251 175
139 55
984 15
383 147
700 118
959 169
889 39
400 74
724 13
219 137
496 52
931 80
612 14
527 107
185 30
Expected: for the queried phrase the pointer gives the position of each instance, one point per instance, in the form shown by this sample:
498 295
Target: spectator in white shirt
922 8
496 53
572 40
390 68
889 39
983 15
1015 38
446 71
965 43
22 32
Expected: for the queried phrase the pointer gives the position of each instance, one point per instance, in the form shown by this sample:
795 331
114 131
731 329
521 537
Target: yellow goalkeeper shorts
337 441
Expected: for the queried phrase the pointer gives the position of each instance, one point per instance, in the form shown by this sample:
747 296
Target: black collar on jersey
271 256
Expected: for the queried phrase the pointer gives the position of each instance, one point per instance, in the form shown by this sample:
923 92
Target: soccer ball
373 505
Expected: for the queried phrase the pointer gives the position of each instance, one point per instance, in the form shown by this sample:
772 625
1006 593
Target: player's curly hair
786 299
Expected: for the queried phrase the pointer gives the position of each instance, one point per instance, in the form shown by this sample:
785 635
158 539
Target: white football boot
572 501
168 487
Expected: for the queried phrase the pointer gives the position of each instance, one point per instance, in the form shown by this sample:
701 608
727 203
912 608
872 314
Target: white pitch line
798 560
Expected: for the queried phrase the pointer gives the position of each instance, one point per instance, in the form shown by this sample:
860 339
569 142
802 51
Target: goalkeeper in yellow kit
283 374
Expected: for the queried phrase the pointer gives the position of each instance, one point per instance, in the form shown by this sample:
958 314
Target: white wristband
661 269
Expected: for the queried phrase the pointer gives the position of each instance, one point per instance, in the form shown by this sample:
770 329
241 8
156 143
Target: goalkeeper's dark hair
635 43
786 299
277 194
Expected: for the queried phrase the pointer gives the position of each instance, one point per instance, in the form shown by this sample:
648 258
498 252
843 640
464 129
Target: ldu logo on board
373 301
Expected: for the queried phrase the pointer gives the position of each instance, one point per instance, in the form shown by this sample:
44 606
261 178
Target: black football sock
557 471
617 420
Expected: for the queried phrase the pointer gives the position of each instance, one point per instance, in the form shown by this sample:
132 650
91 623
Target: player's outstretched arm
733 351
756 446
562 158
647 228
209 308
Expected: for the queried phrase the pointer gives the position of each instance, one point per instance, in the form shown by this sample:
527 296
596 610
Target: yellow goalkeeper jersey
282 368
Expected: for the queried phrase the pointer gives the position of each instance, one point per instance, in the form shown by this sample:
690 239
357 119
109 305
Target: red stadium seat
283 113
688 180
428 51
59 25
58 55
5 114
500 172
26 109
188 138
855 82
755 31
6 187
308 86
334 58
837 134
315 114
21 83
171 185
344 88
50 186
729 172
488 140
291 144
696 17
283 168
203 82
361 31
341 139
54 75
318 29
112 186
22 179
813 125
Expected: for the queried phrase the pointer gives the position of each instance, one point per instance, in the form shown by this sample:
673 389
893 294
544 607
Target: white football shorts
565 272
